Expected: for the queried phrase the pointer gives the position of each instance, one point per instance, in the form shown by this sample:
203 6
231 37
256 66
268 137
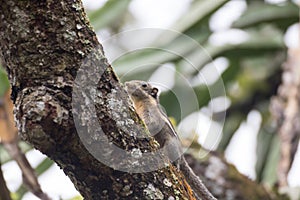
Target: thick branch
44 44
224 180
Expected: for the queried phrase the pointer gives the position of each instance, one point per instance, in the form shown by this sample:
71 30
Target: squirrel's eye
144 85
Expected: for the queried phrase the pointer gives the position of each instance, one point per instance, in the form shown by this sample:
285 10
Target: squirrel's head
141 90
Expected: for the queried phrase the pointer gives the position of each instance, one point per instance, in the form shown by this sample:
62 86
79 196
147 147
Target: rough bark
224 181
9 140
44 44
285 108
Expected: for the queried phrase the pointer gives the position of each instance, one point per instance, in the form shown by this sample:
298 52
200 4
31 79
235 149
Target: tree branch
285 110
51 51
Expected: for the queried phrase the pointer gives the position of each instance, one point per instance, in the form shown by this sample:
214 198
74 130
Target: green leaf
77 198
171 104
261 41
198 11
43 166
131 61
282 15
203 94
140 73
232 71
181 100
170 100
269 175
264 142
108 14
194 24
232 123
155 55
4 83
257 81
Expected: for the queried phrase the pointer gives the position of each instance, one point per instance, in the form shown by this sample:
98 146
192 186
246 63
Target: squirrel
146 103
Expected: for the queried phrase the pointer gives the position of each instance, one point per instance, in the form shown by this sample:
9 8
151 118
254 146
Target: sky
153 13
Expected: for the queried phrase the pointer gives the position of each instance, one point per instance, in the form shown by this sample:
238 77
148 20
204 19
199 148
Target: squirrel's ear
154 92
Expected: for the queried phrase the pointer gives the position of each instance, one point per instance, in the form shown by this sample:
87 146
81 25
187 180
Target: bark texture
224 181
285 108
43 45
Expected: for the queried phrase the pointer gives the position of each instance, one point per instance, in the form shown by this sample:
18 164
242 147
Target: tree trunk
70 105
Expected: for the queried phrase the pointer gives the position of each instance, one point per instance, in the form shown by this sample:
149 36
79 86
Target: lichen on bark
43 45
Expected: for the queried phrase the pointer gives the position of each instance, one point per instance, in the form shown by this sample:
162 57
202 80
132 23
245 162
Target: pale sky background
153 14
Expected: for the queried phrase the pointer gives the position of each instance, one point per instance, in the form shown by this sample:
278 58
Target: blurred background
225 69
